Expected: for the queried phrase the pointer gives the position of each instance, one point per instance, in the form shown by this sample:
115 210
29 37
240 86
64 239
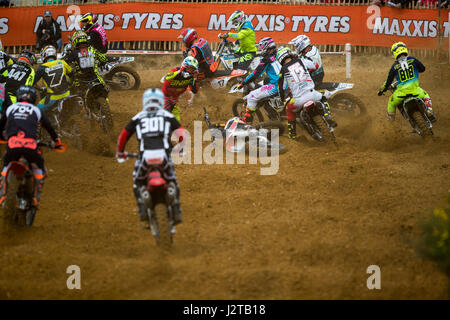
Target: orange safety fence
153 21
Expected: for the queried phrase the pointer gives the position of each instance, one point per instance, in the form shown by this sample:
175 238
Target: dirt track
308 232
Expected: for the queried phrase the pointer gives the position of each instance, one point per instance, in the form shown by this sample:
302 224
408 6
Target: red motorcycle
18 206
157 196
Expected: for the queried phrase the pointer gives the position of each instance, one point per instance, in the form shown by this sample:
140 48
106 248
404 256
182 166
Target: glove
239 86
57 144
121 155
380 92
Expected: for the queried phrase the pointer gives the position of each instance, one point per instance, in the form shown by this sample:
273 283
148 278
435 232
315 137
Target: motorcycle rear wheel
123 74
104 114
422 125
327 136
164 240
347 104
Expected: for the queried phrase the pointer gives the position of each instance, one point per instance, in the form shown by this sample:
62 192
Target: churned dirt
308 232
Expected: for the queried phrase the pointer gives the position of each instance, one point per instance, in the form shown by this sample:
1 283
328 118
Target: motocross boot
292 130
430 112
248 117
3 187
38 185
327 113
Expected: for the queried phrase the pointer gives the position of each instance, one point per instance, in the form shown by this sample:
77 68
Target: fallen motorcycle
342 103
238 135
157 196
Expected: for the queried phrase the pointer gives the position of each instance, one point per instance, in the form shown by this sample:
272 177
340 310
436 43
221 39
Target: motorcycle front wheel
238 109
123 78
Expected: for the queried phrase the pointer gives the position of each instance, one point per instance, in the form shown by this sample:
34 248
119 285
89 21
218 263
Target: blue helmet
152 99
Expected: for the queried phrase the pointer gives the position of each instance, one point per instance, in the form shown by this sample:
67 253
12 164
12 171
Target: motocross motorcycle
96 104
18 205
117 75
62 117
238 134
157 196
225 55
341 103
311 116
414 110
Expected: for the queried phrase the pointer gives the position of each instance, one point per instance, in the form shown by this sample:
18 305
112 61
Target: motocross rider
295 72
406 71
245 35
153 139
85 60
5 59
96 35
199 49
305 49
55 75
22 122
177 81
18 74
271 66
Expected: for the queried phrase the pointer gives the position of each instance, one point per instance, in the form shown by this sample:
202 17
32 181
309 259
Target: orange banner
358 25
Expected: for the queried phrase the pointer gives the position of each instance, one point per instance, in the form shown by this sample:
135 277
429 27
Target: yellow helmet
398 48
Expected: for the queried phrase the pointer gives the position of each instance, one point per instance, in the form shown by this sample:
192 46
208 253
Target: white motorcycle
341 103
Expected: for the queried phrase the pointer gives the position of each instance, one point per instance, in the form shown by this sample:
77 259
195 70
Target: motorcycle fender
219 82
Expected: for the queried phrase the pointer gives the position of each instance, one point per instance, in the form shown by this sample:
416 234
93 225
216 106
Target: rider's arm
419 65
244 32
39 73
310 65
48 126
193 85
257 72
30 79
280 84
126 133
389 80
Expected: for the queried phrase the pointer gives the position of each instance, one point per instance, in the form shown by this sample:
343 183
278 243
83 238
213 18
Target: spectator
48 32
4 3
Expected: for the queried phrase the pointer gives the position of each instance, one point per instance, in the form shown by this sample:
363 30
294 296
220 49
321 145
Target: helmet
266 44
90 20
79 38
237 18
27 56
283 53
188 35
152 99
190 64
300 42
398 48
48 52
27 94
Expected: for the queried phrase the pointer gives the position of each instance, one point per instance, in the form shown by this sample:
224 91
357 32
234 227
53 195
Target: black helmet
27 56
26 93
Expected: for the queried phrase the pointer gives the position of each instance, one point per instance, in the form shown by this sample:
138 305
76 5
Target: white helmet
300 42
48 52
152 99
237 18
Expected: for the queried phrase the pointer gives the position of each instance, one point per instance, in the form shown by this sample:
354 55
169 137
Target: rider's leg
137 184
170 105
171 176
327 111
245 60
394 100
253 98
39 172
427 100
291 111
10 155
